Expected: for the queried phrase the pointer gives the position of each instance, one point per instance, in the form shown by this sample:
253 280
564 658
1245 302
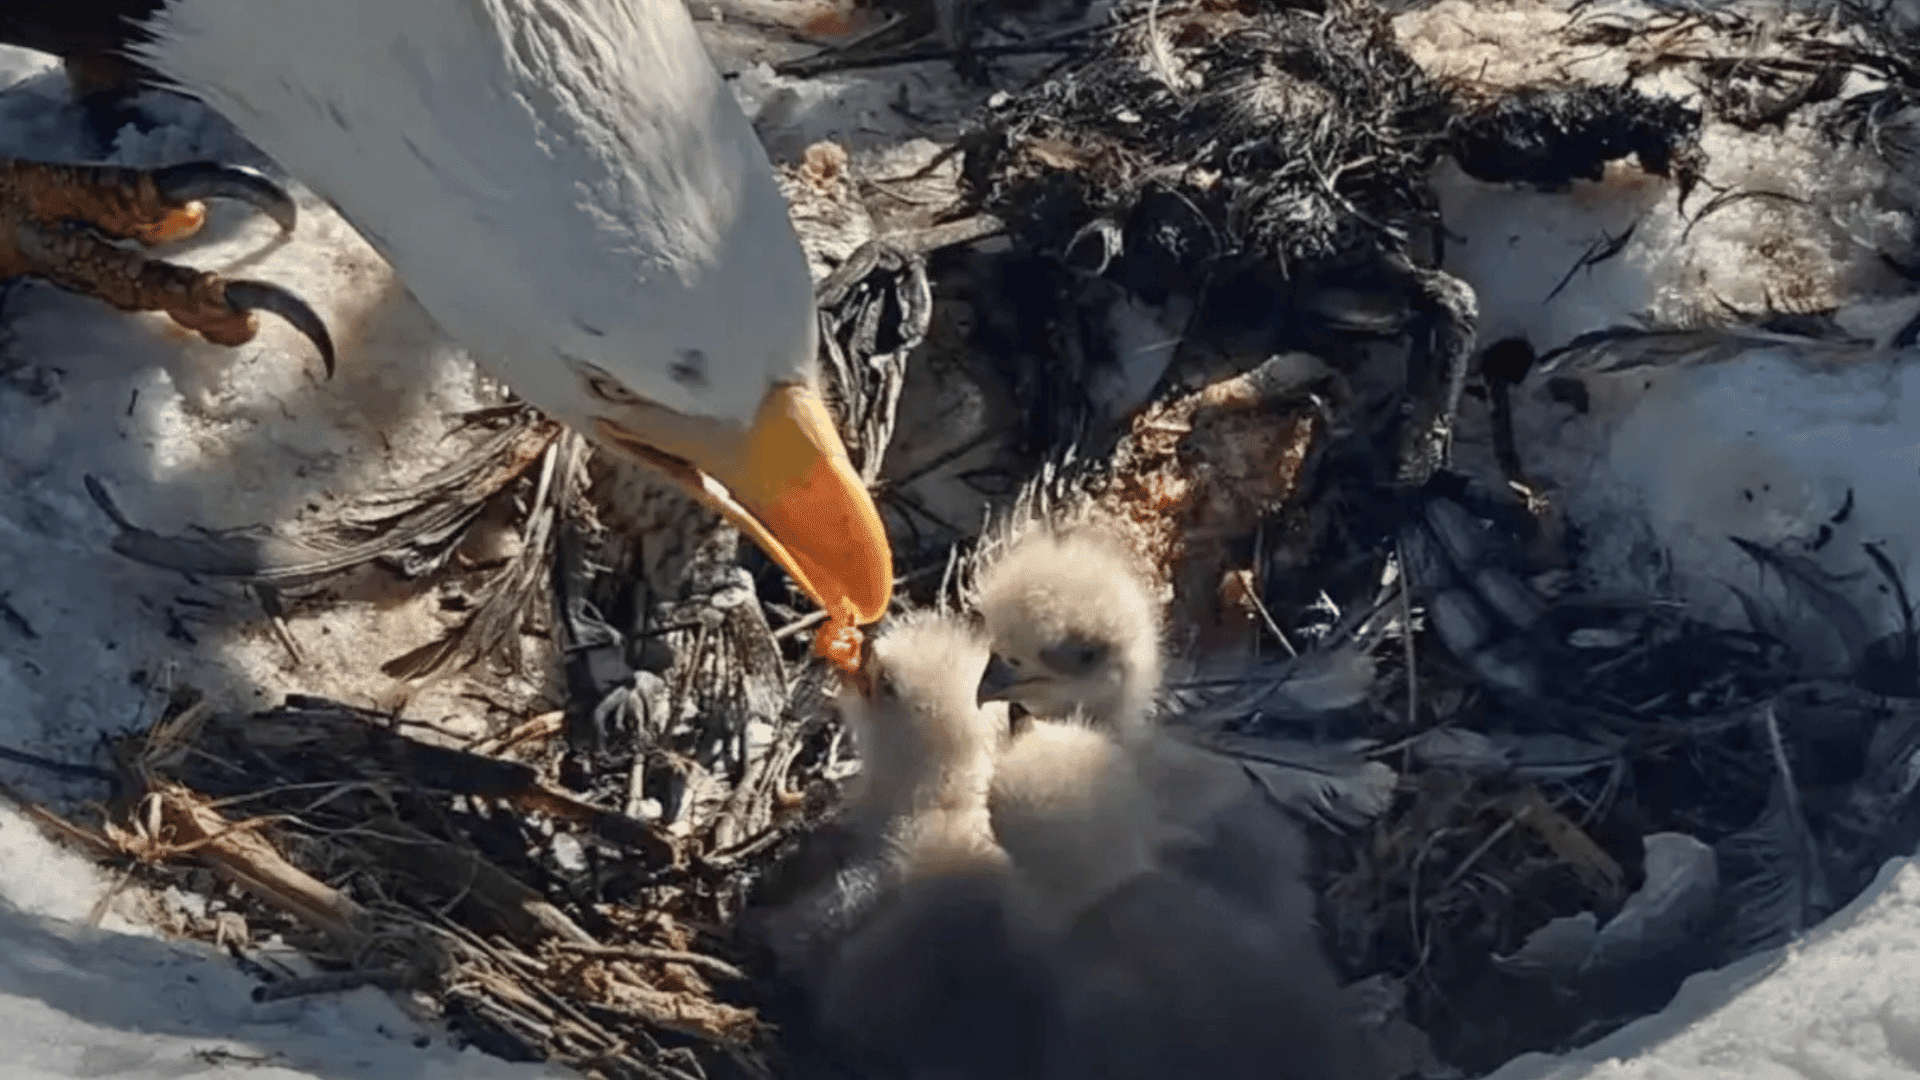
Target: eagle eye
1075 656
605 387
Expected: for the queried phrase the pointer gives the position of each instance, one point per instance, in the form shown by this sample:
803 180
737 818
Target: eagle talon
149 205
60 223
245 297
74 256
186 185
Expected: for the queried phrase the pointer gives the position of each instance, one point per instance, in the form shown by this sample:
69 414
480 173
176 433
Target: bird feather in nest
415 529
1254 160
416 526
1808 587
1334 785
1779 881
1286 134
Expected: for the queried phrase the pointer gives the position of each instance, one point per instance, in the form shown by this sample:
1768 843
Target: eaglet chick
1075 630
917 967
1155 973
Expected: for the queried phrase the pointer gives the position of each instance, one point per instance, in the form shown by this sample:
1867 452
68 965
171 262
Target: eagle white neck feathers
565 185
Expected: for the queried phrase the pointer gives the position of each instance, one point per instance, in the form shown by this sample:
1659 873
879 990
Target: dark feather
1779 881
90 35
1167 978
1807 584
1335 786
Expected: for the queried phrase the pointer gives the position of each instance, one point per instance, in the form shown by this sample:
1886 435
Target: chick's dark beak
998 682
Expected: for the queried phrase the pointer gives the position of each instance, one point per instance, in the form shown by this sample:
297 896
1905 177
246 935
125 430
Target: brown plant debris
394 860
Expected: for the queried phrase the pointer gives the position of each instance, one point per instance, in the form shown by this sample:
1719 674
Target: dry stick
1272 626
1413 899
684 685
557 1003
59 768
98 912
543 726
269 600
739 803
769 837
1607 791
799 625
1478 853
781 795
646 952
1260 586
1406 636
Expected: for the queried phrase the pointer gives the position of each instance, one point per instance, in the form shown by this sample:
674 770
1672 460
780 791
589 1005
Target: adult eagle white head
570 189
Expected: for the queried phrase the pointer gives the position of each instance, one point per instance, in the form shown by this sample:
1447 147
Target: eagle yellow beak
790 487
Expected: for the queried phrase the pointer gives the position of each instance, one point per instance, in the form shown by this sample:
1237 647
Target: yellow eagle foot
62 223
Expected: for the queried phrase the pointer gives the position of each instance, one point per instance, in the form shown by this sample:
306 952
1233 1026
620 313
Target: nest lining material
564 888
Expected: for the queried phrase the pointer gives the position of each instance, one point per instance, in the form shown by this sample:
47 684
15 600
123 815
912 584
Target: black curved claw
260 296
212 180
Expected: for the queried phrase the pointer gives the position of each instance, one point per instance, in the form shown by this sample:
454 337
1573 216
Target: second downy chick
1076 631
1155 973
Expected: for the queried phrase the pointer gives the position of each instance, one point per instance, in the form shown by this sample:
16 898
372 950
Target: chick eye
1074 656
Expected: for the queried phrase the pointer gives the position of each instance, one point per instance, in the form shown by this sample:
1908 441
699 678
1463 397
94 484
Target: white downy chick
1074 627
1155 973
926 752
1075 819
926 745
928 964
1075 630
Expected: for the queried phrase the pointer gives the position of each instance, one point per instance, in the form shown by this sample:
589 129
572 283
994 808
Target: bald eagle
566 186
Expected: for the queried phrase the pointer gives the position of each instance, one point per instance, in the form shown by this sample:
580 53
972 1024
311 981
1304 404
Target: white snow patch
1808 238
1765 442
1839 1003
1671 461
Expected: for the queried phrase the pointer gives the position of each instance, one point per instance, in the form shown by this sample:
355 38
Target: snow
1839 1004
1763 443
1812 242
1767 447
116 1001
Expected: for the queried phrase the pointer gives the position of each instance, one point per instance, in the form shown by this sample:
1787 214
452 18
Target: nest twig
443 871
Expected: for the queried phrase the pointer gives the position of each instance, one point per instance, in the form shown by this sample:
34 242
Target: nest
1540 799
544 927
1210 133
1245 157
